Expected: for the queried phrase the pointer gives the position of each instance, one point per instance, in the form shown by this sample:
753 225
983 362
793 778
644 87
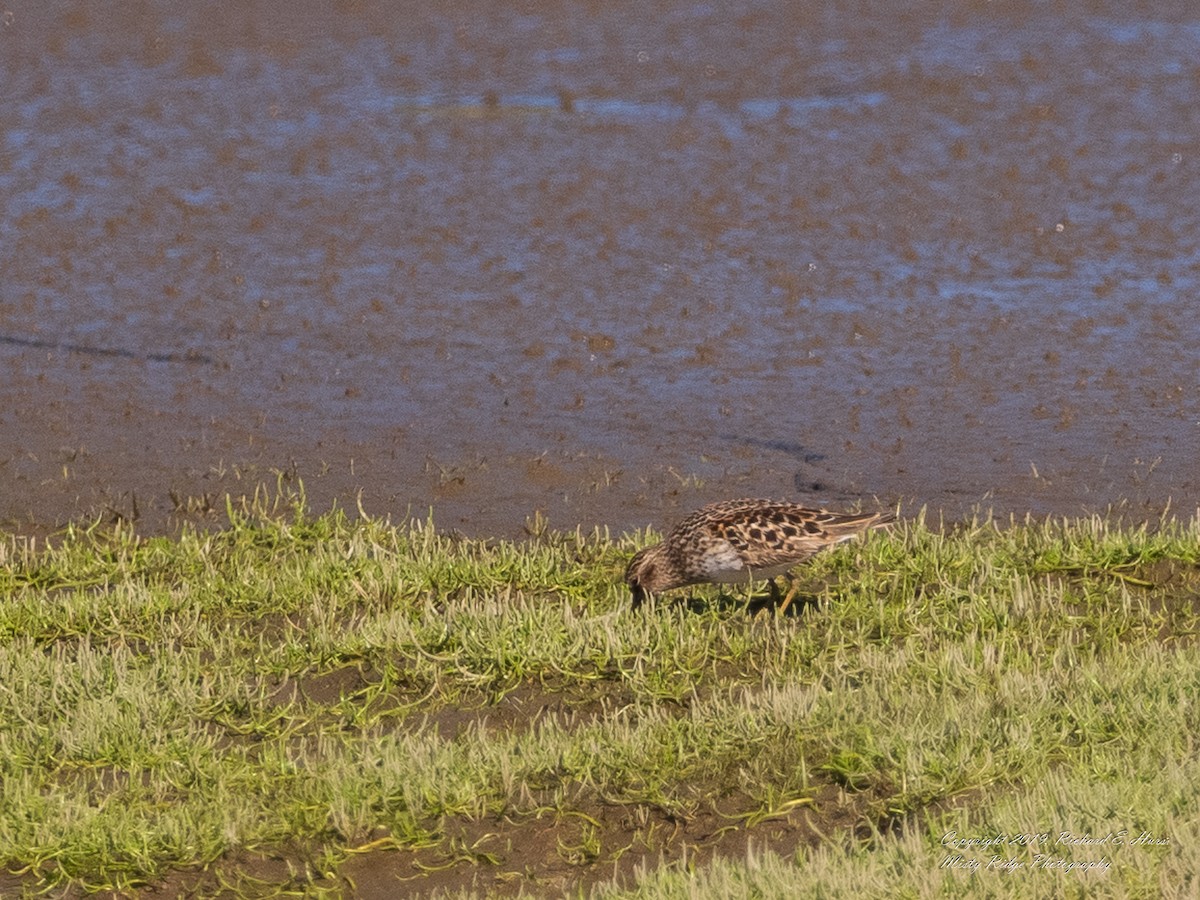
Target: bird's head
648 573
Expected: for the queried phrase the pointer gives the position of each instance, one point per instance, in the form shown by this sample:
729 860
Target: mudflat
597 264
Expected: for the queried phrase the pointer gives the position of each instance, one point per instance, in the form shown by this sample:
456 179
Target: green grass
261 708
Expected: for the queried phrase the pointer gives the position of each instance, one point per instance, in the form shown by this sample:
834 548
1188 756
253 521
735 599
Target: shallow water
599 263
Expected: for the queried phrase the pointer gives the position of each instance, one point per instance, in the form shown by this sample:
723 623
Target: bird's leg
775 595
790 595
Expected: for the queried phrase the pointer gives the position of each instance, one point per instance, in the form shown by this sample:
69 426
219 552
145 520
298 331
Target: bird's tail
845 527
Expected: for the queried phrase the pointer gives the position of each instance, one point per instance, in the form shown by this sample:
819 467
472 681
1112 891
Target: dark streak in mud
190 357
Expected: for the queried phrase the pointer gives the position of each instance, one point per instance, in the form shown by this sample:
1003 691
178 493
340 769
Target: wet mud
594 263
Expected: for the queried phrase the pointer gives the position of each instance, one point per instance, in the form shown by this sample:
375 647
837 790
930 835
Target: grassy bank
308 705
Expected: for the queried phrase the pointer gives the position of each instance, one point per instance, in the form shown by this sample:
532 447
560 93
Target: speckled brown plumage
740 540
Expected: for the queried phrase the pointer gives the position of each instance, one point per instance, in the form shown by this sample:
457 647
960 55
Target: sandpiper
737 541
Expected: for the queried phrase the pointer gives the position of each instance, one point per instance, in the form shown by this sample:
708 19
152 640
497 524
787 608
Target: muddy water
597 260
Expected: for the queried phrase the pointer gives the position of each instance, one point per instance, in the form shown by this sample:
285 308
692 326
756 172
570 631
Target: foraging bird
739 540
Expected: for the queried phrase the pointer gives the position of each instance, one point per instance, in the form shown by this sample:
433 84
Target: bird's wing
778 534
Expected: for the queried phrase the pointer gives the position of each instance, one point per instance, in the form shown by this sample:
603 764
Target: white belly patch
722 564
